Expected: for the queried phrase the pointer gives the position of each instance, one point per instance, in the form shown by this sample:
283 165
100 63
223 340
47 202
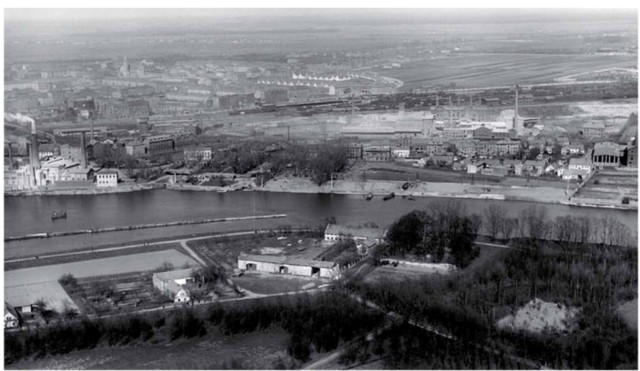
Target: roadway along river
26 215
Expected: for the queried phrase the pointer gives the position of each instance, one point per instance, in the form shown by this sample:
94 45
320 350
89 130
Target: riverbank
141 226
86 191
379 188
449 190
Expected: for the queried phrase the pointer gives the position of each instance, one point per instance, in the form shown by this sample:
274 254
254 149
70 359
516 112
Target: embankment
140 226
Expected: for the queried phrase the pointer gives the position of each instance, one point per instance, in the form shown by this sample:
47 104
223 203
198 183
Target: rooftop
369 233
284 259
175 275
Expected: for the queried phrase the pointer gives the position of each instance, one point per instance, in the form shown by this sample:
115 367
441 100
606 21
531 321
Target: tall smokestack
515 114
10 156
83 154
35 156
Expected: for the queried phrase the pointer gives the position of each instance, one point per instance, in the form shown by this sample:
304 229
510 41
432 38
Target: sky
440 15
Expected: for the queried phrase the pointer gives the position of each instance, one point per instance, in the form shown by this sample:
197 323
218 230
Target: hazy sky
454 15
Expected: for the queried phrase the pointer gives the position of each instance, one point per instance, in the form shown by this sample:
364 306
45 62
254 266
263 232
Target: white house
581 163
472 168
182 296
281 264
402 152
107 179
173 282
11 319
335 232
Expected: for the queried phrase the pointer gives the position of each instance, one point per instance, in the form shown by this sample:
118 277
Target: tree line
429 232
595 278
318 322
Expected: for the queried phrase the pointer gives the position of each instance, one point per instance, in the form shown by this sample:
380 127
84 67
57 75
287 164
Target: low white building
335 232
401 152
282 264
106 179
581 163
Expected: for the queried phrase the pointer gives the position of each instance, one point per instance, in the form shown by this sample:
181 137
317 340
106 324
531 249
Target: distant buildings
106 179
581 163
593 129
197 154
607 154
376 153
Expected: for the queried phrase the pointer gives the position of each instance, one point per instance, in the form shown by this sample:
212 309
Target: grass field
90 255
273 284
257 350
25 286
483 70
98 267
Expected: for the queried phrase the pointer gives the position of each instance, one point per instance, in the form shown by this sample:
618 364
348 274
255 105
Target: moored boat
58 215
389 196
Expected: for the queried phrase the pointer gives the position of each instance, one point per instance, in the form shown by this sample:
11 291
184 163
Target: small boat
58 215
369 196
389 196
410 198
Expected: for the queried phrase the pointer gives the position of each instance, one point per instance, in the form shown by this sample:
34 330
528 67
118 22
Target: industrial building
283 264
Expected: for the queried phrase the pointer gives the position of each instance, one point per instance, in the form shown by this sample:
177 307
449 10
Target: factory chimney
35 157
10 156
83 154
516 117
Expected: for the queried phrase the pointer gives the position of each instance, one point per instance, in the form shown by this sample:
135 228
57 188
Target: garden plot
36 283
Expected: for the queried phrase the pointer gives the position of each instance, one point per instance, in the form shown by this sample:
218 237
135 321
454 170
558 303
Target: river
26 215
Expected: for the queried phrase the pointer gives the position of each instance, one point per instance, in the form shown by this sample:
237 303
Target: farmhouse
364 237
281 264
11 316
173 282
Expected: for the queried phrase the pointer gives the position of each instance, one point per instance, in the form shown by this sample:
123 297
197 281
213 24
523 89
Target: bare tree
565 229
508 227
584 229
533 223
494 217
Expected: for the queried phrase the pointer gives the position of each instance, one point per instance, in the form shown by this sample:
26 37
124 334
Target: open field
256 350
274 284
399 274
98 267
483 70
50 292
25 286
89 255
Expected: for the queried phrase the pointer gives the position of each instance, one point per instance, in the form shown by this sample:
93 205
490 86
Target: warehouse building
282 264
